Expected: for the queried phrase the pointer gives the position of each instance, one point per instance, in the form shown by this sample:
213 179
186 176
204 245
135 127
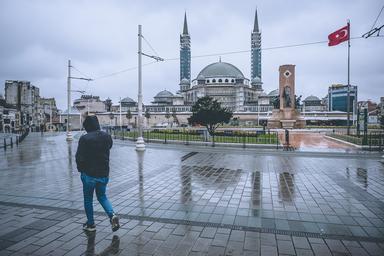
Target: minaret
256 55
185 57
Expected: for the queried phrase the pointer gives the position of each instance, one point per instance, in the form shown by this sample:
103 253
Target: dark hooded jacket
92 156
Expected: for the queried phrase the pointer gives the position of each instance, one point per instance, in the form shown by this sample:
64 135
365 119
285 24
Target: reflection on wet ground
317 142
292 193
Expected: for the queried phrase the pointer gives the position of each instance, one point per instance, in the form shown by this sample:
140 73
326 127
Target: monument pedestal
286 118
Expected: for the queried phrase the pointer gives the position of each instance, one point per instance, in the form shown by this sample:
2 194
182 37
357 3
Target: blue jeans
89 186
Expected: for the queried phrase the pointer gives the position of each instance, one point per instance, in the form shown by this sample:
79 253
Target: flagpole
348 85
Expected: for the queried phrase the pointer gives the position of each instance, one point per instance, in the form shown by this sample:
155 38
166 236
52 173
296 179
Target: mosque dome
127 100
164 94
312 98
221 69
274 93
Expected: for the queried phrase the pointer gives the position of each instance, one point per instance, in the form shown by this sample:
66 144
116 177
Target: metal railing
243 138
372 140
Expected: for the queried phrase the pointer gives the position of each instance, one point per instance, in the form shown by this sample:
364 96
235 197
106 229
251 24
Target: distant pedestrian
92 159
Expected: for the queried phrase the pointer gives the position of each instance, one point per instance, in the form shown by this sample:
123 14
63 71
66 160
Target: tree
209 113
129 116
147 115
167 115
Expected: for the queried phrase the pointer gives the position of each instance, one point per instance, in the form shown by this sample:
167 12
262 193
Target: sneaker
90 228
115 223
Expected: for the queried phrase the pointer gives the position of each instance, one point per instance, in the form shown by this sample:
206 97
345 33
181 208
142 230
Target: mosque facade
221 80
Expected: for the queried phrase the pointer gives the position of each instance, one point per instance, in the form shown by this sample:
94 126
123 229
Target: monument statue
285 115
287 96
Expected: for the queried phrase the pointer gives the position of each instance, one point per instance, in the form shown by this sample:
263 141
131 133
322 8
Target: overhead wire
150 46
217 54
374 23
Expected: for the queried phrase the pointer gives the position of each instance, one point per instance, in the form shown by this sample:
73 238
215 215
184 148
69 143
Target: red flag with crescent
339 36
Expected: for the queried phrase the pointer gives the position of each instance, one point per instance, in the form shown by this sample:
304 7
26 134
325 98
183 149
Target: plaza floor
184 200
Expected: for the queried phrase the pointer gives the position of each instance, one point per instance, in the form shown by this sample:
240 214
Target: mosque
221 80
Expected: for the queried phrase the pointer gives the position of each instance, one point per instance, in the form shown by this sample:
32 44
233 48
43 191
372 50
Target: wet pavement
315 142
183 200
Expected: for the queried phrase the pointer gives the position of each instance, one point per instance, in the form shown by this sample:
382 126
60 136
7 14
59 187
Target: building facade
25 97
338 98
89 103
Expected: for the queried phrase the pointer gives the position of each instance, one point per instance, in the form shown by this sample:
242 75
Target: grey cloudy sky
100 37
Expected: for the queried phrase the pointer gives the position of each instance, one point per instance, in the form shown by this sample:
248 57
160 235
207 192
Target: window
220 81
226 80
213 80
232 81
207 81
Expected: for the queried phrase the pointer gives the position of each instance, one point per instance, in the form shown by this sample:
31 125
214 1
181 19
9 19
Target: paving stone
285 247
268 250
248 189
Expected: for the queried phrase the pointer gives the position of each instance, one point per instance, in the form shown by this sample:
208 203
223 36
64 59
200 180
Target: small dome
312 98
256 80
127 100
164 94
220 69
184 81
274 93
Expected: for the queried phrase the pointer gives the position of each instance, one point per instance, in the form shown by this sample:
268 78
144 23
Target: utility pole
140 146
69 134
121 127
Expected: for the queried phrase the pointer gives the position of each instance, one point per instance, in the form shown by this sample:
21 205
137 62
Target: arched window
207 81
233 80
213 80
220 81
226 80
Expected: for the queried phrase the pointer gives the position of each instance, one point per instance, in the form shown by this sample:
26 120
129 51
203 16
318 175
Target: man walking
92 159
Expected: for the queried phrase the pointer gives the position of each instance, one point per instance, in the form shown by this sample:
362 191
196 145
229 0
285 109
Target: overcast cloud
100 37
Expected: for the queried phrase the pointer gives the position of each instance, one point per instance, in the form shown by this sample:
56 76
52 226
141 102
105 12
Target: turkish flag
339 36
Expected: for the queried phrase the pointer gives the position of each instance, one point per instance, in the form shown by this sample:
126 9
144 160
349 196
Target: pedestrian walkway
315 141
188 201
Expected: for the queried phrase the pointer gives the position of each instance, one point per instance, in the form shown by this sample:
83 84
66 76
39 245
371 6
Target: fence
187 137
373 140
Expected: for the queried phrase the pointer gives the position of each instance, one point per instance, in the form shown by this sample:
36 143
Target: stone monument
286 116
